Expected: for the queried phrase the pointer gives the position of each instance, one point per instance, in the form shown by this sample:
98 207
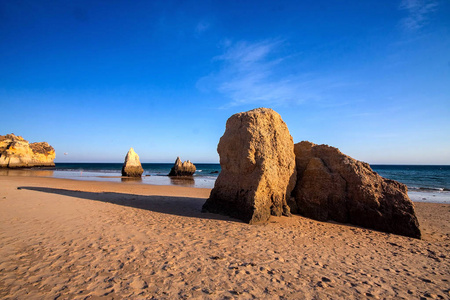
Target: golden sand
88 240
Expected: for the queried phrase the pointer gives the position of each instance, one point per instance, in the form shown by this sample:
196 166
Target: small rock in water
132 166
182 169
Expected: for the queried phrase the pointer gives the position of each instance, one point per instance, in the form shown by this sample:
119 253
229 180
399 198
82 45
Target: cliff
16 152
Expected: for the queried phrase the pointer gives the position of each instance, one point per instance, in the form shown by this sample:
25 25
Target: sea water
154 173
425 183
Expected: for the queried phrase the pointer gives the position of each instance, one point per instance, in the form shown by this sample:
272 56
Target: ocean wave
430 189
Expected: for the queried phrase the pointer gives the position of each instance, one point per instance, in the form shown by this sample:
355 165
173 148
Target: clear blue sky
94 78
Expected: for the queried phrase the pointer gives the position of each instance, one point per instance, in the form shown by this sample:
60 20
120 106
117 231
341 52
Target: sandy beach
71 239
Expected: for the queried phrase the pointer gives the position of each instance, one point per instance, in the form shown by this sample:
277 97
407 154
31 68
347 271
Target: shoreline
195 181
86 239
442 197
426 196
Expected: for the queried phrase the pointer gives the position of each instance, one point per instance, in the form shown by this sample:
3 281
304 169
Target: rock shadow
172 205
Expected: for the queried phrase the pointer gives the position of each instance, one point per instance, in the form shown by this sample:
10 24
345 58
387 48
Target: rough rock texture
132 166
15 152
333 186
258 167
182 169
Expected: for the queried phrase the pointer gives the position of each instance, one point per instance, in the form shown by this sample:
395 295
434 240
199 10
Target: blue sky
94 78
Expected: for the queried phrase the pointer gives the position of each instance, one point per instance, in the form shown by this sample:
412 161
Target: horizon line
372 164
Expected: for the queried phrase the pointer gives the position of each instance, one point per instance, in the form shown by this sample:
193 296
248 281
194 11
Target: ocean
425 183
154 173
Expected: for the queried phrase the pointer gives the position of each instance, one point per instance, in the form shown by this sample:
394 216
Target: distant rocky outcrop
182 169
132 166
16 152
333 186
258 167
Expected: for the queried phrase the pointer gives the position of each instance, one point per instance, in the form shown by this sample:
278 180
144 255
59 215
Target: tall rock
182 169
333 186
132 166
258 167
16 152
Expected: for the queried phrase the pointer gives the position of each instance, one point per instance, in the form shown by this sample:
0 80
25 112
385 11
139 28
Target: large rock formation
182 169
15 152
132 166
333 186
258 167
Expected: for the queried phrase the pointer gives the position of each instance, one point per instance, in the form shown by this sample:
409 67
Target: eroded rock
16 152
333 186
258 167
132 166
182 169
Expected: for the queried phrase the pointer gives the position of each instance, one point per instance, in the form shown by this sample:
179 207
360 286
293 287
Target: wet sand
89 240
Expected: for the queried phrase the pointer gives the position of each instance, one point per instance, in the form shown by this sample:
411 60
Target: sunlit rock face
132 166
182 168
333 186
16 152
258 167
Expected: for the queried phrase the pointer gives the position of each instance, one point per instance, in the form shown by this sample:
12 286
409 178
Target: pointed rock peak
182 168
132 166
132 158
131 151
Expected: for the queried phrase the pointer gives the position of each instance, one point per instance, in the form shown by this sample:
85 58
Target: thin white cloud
418 13
253 73
202 27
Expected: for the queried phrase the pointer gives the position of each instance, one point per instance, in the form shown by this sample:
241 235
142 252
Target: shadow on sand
180 206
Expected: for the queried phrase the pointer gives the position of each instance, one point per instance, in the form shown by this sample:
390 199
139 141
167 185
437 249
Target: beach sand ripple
91 240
